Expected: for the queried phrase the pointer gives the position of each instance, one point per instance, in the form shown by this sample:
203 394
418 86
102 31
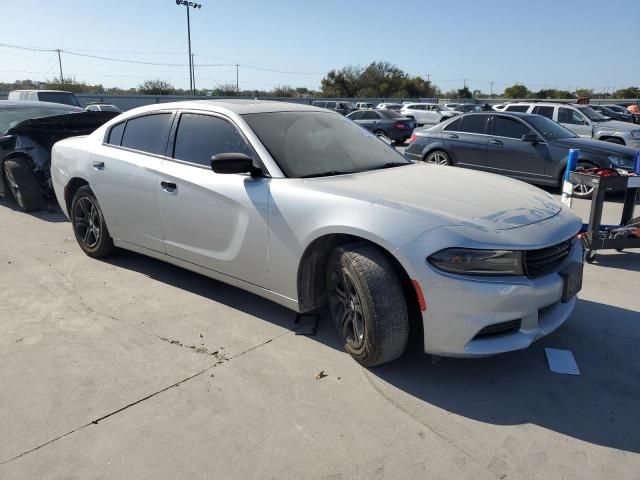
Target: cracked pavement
132 368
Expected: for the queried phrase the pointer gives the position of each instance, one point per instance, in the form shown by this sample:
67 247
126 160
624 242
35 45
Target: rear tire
89 225
438 157
23 184
367 304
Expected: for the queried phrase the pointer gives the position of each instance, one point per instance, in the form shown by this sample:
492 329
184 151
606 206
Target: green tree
283 91
225 90
629 92
584 92
342 83
464 92
156 87
516 91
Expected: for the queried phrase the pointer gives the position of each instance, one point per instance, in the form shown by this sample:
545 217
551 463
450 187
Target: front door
217 221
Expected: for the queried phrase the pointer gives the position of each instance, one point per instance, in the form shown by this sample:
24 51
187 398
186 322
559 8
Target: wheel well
438 149
312 273
71 189
613 139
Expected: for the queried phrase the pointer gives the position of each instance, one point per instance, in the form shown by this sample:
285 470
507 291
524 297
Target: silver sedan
302 206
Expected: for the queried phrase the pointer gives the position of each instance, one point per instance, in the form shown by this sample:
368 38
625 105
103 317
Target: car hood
615 126
594 146
48 130
446 195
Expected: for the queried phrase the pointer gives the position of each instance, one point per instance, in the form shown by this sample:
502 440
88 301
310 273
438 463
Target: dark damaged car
28 131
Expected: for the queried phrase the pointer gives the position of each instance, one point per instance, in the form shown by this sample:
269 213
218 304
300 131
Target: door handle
495 142
168 186
453 135
98 165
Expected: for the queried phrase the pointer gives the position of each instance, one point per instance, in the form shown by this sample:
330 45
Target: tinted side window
544 111
454 126
509 127
115 134
517 108
148 133
201 136
566 115
474 124
370 115
356 115
331 105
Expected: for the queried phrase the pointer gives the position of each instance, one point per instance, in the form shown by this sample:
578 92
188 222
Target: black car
613 114
389 123
343 108
521 145
28 131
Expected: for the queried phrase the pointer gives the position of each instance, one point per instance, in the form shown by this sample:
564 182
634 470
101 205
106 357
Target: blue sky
540 43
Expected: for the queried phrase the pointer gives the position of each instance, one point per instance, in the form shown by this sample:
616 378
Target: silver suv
583 120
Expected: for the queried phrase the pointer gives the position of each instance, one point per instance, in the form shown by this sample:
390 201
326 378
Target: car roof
25 104
237 106
496 112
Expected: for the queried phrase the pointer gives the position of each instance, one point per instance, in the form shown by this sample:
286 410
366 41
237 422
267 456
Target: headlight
467 261
635 133
620 161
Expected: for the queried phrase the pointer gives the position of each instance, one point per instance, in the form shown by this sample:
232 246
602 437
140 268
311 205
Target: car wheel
379 132
438 157
590 256
367 304
618 141
23 184
89 225
582 190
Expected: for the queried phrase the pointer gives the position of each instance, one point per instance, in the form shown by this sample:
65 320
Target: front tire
582 190
89 225
367 304
23 184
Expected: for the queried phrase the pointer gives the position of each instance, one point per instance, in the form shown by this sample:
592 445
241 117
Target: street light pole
189 5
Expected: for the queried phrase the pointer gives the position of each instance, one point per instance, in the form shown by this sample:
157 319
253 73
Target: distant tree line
376 80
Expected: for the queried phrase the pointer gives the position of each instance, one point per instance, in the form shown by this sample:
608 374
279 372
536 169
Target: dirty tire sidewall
385 312
105 246
23 184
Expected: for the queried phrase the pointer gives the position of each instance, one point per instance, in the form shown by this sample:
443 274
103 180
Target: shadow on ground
600 406
628 260
50 213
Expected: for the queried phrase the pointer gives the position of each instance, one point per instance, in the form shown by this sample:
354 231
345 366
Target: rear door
125 178
466 140
217 221
370 120
508 154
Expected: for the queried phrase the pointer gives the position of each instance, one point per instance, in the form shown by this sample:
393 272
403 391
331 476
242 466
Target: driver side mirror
227 163
386 140
530 138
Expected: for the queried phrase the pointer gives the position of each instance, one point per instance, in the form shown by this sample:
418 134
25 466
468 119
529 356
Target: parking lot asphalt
133 368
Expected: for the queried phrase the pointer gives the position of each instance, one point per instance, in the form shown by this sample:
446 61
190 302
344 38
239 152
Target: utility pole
193 71
428 77
189 5
491 88
237 82
60 65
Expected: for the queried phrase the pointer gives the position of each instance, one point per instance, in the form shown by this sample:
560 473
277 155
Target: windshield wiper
390 165
325 174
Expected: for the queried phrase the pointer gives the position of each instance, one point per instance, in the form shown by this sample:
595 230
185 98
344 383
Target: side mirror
386 140
233 163
530 138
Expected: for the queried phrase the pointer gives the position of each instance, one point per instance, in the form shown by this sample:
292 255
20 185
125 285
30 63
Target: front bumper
460 307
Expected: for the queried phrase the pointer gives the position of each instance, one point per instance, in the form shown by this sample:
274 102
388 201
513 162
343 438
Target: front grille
499 329
546 260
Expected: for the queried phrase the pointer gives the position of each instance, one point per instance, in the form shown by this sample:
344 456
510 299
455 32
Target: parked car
608 112
343 108
51 96
427 113
306 208
525 146
364 106
451 106
28 130
389 106
627 109
389 123
583 120
102 107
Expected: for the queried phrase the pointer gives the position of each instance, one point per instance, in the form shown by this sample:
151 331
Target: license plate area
572 280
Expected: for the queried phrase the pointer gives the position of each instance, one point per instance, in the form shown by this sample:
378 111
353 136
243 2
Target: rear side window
199 137
454 126
474 124
356 115
370 115
544 111
148 134
517 108
509 127
115 134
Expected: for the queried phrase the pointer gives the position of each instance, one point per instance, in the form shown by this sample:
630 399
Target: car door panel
468 149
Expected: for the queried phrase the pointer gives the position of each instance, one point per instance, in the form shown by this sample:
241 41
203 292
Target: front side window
544 111
510 128
308 144
331 105
148 133
356 115
371 115
569 116
454 126
474 124
199 137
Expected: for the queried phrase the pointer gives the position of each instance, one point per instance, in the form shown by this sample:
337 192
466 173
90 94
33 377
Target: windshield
10 117
308 144
592 114
549 129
